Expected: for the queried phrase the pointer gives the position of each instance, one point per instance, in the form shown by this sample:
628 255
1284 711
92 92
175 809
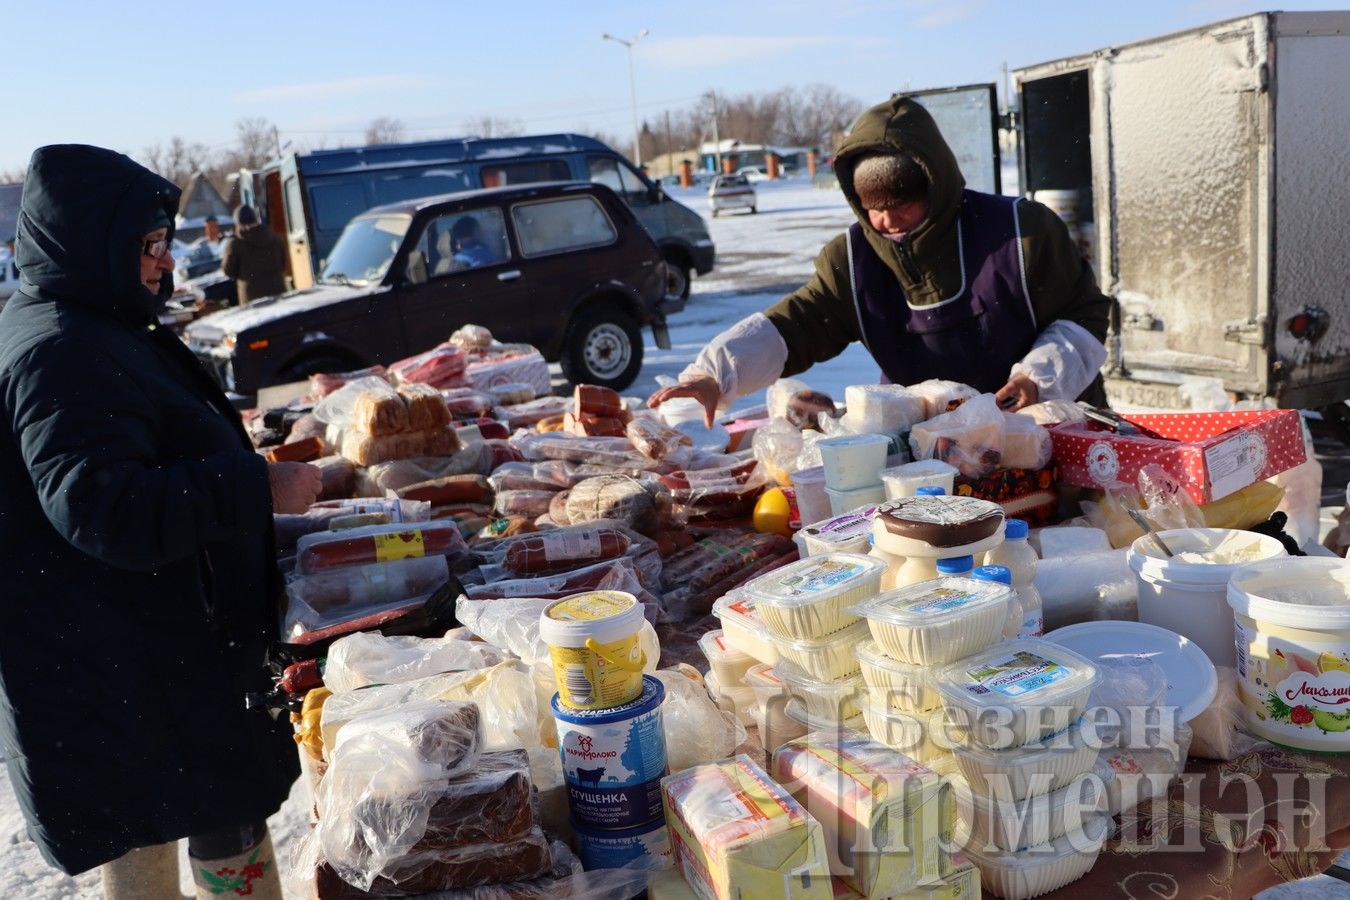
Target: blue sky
103 73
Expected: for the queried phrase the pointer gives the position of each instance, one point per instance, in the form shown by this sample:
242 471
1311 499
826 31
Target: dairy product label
1296 692
590 607
945 510
938 600
819 577
1016 675
1234 464
845 527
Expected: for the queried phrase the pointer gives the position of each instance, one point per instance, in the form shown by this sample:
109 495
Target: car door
622 180
473 276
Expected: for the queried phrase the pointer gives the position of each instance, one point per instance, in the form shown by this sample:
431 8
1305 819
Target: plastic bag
339 595
882 409
514 625
1167 505
363 659
527 415
969 438
324 383
638 503
608 451
942 396
523 476
780 393
338 408
472 337
1302 501
725 493
467 403
1026 445
1069 585
443 366
697 731
1053 412
778 447
614 575
375 481
524 365
654 440
1216 729
376 544
529 504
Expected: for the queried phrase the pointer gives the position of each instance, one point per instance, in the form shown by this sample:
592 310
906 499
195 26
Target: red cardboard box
1211 454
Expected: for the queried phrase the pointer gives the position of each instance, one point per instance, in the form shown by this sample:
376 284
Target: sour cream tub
813 504
593 644
1188 593
853 461
904 480
1292 637
613 760
843 501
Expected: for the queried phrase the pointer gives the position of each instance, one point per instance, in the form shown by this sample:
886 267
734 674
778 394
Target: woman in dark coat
135 530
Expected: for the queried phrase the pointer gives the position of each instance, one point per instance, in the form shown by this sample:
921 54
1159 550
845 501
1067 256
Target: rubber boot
143 872
252 873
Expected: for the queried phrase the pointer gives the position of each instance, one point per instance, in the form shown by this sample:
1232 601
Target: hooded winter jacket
135 542
256 258
819 320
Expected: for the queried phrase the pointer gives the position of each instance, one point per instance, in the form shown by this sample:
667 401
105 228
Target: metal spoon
1148 529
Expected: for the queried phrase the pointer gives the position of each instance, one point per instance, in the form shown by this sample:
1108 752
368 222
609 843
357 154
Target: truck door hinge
1251 332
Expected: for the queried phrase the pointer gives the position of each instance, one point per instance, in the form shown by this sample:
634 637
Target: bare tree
178 160
488 126
255 143
13 176
384 130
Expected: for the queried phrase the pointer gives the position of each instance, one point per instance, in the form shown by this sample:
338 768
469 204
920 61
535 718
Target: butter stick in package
885 816
734 834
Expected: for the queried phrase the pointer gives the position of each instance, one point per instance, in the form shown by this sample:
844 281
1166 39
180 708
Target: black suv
563 266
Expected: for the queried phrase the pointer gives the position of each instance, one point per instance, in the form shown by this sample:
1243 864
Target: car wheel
301 369
677 278
603 347
753 210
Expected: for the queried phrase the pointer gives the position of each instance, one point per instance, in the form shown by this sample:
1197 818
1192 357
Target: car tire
302 368
677 278
603 346
753 210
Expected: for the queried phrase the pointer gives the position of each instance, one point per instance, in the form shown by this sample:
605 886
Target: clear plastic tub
849 533
914 736
738 700
1031 769
829 658
764 681
937 621
903 481
812 502
1017 692
1040 870
797 712
829 700
1008 825
843 501
905 688
853 460
743 629
811 597
725 661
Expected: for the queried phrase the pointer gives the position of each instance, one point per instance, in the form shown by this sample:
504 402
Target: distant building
200 199
790 159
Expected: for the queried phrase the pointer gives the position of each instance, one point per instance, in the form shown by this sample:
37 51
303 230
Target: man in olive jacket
139 589
255 258
937 281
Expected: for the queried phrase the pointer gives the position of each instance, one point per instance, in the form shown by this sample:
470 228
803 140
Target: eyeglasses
156 248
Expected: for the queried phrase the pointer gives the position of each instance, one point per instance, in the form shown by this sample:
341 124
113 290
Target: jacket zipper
907 262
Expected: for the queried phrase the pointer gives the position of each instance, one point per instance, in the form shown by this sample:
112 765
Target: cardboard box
1212 455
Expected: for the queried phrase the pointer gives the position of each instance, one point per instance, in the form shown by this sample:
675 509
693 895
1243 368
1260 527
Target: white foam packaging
904 687
1017 692
811 597
1009 825
1031 769
937 621
1039 870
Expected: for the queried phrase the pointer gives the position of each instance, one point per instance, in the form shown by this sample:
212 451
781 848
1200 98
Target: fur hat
888 180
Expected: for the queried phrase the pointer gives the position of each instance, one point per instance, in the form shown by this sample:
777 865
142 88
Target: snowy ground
759 259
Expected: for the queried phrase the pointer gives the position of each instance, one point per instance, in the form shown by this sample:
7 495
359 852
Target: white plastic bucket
1293 650
853 461
813 504
1191 598
842 502
905 480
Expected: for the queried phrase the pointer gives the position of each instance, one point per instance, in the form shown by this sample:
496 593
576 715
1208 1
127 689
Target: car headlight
228 341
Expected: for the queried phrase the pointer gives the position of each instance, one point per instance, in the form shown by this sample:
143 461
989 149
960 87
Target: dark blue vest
974 337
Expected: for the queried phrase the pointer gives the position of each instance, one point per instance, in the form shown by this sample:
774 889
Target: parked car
566 267
731 192
754 173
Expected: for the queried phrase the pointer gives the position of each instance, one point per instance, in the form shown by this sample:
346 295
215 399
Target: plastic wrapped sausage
448 490
512 393
563 549
441 367
354 587
530 504
655 440
557 508
323 384
466 403
376 544
615 451
527 415
596 401
621 497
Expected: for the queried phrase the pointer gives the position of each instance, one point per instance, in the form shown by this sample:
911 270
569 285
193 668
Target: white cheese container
904 480
1017 692
764 681
849 533
1037 768
743 629
725 661
797 712
828 658
811 597
853 460
843 501
937 621
904 687
1039 870
830 700
914 736
996 824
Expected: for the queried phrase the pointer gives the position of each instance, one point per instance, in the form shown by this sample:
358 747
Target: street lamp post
632 87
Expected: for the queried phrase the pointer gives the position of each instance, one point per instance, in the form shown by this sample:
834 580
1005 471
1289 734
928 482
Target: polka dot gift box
1212 454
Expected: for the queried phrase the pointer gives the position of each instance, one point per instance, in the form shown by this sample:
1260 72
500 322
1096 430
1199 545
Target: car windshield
366 248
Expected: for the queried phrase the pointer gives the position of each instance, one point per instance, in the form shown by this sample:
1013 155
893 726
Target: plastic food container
1293 650
1017 692
853 461
798 713
764 681
1145 774
593 644
1188 594
1040 870
937 621
813 504
742 628
811 597
828 658
905 480
905 688
833 701
843 501
724 660
915 736
737 699
849 533
1018 824
1031 769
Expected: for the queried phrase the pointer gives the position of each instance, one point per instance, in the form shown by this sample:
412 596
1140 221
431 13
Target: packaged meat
735 833
506 526
557 508
613 575
472 338
466 403
426 408
942 396
882 409
449 489
306 450
306 426
323 384
334 595
619 497
522 476
564 549
886 818
376 544
1039 870
812 598
596 401
396 509
444 734
363 659
479 458
520 364
528 415
693 601
552 423
338 474
969 438
708 560
512 393
654 440
529 504
593 426
1017 692
1031 769
438 872
441 367
734 483
937 621
604 451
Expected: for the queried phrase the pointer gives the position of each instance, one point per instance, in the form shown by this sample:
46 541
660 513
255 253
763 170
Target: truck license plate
1126 394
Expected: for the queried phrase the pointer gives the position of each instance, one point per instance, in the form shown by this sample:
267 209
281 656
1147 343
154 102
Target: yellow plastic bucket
593 643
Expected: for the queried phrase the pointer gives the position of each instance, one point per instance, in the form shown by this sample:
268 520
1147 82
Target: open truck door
285 194
968 118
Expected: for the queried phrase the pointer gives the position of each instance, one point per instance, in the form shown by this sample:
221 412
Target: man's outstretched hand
705 390
1020 391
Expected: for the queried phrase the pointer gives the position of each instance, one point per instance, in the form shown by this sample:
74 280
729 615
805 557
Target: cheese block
886 818
734 833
